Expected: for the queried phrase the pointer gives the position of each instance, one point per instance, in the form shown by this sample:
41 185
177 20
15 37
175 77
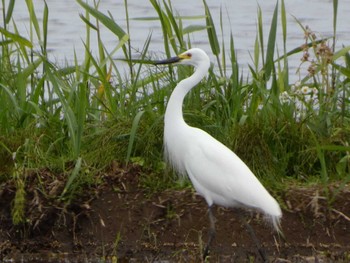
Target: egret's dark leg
256 241
211 232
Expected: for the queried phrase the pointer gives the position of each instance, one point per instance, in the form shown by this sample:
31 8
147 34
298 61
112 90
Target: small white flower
305 90
297 83
314 91
284 97
307 98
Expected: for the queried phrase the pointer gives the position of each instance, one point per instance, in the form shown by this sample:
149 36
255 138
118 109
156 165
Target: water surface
67 30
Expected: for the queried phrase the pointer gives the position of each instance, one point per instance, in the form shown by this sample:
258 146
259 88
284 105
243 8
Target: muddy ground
120 222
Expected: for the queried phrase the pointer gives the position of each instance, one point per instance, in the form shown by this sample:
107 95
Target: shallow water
67 30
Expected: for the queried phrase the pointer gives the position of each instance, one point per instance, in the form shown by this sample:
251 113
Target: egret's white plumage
217 173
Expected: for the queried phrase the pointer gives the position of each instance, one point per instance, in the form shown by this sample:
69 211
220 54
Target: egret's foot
211 233
261 250
210 239
205 252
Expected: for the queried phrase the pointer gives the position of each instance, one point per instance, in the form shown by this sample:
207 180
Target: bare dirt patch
119 222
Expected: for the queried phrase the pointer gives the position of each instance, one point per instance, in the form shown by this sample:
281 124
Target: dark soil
119 221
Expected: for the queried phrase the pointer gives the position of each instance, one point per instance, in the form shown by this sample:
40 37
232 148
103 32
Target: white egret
216 173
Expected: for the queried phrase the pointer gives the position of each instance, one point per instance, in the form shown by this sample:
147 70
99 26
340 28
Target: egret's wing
219 174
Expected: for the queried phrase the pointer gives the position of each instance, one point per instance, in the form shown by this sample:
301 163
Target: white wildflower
284 97
305 90
297 84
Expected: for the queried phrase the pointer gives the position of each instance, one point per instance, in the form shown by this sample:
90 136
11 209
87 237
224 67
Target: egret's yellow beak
173 59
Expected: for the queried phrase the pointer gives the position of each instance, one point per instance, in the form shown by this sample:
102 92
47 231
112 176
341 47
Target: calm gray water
67 30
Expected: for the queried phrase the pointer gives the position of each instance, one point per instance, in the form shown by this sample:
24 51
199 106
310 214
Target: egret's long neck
173 113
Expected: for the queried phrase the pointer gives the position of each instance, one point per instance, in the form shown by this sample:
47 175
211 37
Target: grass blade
271 45
133 131
193 28
166 27
105 20
16 38
177 29
45 27
9 11
213 39
72 177
284 24
33 18
261 35
335 17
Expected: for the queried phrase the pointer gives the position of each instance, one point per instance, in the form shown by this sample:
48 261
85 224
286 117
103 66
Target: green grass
75 121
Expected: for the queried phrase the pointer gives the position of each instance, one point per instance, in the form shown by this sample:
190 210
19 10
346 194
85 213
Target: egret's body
216 173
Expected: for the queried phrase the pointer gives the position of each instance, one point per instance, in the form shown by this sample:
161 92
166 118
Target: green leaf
331 147
343 70
193 28
300 49
213 40
12 98
166 27
284 24
9 11
134 127
33 18
45 25
105 20
174 25
271 45
23 79
16 38
261 35
25 73
154 18
72 177
341 53
86 21
335 16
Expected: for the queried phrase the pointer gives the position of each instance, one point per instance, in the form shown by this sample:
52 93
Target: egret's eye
189 55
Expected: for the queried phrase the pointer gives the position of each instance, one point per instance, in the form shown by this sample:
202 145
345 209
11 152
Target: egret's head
195 57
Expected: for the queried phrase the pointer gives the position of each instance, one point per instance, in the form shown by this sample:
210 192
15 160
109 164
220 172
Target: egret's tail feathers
276 223
273 212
